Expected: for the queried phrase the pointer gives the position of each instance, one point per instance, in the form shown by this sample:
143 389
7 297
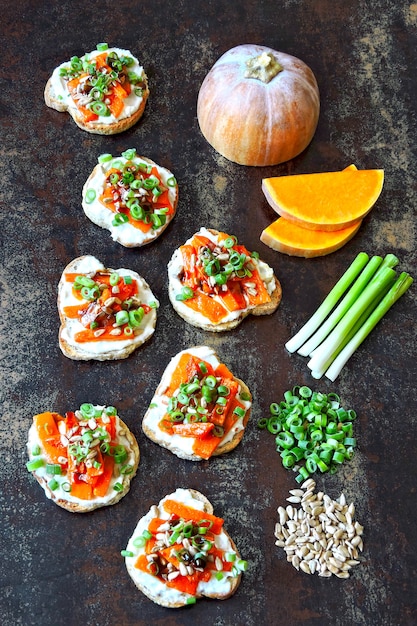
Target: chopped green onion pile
313 432
357 302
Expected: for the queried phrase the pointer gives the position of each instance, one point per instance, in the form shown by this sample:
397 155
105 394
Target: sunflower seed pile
321 536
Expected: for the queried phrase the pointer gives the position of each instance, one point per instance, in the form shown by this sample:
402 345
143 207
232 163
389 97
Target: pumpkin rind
255 123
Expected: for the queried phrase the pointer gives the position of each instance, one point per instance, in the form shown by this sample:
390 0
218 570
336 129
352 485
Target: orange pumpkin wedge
326 201
294 240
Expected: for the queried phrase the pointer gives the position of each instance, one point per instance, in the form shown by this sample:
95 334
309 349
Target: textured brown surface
57 568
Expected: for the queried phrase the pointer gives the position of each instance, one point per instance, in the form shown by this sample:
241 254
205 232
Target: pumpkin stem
263 67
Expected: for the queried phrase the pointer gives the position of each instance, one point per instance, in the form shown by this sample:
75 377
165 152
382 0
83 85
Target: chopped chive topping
242 565
102 46
129 154
139 542
147 534
99 108
87 410
122 317
104 158
90 196
34 464
127 553
185 294
239 411
120 454
53 484
114 279
84 281
119 219
136 316
230 242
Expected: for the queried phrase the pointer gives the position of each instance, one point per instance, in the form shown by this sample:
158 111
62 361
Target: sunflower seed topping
320 537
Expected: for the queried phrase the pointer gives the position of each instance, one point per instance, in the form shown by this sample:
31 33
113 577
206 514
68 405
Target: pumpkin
257 106
326 201
290 238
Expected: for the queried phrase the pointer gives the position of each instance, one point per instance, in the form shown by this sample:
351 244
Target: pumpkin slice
326 201
290 238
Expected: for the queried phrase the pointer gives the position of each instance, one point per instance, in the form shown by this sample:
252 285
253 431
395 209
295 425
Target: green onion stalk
329 346
342 308
372 270
400 286
328 303
337 328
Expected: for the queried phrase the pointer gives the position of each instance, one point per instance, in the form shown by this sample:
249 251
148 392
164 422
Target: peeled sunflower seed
321 536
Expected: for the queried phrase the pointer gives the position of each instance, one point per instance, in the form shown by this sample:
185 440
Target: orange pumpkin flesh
290 238
295 240
326 201
258 123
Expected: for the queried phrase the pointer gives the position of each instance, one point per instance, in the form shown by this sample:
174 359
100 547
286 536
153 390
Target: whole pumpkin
258 106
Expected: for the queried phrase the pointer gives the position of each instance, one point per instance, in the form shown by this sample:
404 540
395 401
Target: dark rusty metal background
61 568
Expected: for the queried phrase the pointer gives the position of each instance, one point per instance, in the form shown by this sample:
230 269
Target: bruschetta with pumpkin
199 409
215 282
84 459
180 552
130 196
105 314
105 91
